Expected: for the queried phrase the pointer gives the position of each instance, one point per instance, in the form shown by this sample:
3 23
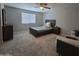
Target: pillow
48 24
52 24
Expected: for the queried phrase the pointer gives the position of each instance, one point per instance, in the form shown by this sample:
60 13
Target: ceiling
35 6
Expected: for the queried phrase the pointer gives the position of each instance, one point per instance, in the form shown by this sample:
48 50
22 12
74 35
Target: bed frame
42 32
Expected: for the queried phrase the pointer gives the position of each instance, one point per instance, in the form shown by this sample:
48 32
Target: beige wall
66 17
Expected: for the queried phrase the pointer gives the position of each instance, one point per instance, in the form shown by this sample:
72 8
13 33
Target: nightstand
57 30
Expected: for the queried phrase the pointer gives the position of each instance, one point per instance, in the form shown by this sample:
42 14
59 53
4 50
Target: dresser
7 32
67 46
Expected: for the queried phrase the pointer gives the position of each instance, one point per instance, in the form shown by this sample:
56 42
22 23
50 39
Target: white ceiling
35 6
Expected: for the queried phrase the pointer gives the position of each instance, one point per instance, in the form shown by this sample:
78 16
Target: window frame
29 15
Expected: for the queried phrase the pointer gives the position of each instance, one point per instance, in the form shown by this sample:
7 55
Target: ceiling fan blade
47 7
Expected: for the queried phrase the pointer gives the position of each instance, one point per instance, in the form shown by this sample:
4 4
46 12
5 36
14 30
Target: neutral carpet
25 44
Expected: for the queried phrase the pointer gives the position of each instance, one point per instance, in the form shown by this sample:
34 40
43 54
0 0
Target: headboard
52 21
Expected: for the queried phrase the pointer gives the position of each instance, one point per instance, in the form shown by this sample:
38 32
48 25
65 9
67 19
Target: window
28 18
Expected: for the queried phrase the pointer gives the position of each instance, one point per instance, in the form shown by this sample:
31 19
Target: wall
13 16
66 17
1 41
50 14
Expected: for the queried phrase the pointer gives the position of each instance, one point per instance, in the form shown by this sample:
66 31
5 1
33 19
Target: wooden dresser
7 32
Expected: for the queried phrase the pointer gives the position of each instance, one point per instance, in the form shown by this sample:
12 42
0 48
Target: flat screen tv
3 17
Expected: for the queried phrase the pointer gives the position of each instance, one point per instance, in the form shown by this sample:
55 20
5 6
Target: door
1 40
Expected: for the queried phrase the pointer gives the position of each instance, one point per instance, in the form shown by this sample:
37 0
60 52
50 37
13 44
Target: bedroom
24 43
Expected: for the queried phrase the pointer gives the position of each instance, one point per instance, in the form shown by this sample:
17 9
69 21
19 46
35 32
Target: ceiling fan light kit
43 6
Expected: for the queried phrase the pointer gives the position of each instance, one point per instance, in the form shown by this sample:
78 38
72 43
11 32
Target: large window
28 18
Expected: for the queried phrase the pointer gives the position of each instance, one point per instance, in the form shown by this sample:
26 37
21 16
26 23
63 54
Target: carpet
25 44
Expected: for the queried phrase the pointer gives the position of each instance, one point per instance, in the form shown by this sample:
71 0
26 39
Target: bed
42 30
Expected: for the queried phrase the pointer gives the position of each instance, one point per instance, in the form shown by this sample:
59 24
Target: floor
25 44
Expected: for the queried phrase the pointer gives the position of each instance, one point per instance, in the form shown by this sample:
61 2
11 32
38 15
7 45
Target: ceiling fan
43 6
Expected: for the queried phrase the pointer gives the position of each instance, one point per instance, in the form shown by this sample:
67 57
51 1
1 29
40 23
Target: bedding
41 28
48 24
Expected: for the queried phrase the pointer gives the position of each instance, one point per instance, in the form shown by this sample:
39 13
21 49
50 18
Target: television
3 17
